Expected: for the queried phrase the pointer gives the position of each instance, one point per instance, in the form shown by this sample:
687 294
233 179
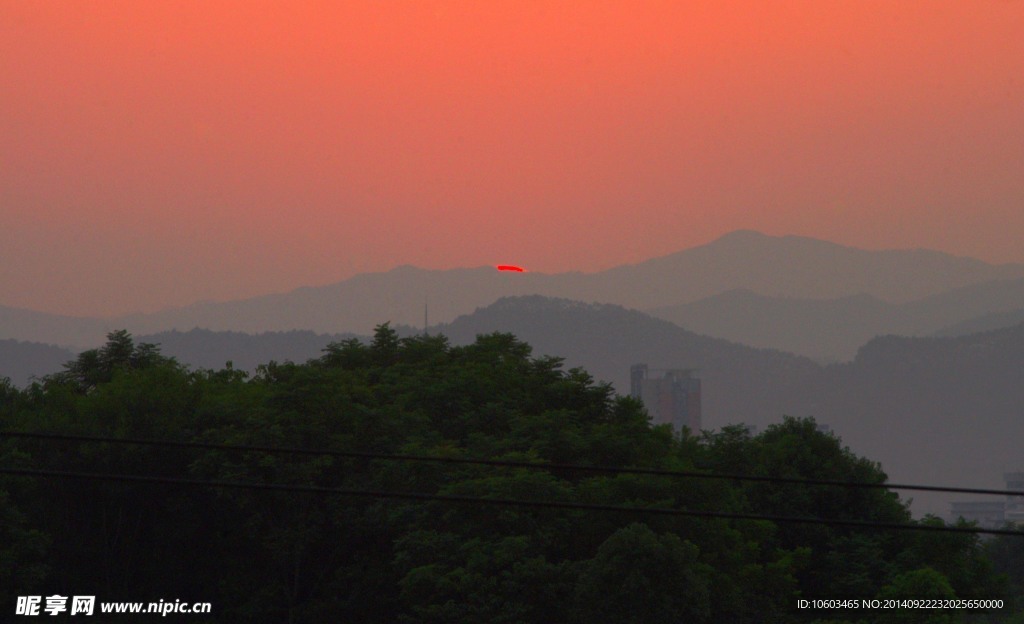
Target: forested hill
939 409
283 555
930 409
740 383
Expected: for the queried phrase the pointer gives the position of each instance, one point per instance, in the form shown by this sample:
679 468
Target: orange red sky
159 153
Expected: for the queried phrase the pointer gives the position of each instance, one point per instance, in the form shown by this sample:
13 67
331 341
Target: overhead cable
507 502
691 474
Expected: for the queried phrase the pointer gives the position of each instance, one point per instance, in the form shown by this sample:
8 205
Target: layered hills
831 330
930 409
773 267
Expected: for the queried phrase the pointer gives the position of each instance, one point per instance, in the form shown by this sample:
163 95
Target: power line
508 502
509 463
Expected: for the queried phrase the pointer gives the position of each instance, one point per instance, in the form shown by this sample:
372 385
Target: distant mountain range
773 267
202 348
833 329
985 322
604 338
70 331
21 361
930 409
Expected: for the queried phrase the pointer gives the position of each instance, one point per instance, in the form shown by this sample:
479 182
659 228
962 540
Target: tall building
1014 504
987 514
994 514
671 396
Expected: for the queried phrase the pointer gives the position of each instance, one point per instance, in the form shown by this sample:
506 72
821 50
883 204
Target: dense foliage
266 555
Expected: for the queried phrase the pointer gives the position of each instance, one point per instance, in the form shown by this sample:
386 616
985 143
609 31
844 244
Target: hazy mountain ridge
20 361
931 409
833 329
52 329
983 323
607 339
787 266
203 348
796 266
363 301
823 329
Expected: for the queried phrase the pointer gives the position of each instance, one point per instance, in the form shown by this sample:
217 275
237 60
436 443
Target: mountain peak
743 233
753 237
742 236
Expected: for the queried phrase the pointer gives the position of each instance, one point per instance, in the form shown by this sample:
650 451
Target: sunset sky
158 153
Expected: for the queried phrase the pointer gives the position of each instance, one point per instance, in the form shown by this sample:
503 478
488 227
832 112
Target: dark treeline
277 556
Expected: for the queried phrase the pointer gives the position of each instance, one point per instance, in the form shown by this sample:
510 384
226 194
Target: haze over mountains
932 410
21 361
607 339
756 315
775 270
834 329
32 326
937 410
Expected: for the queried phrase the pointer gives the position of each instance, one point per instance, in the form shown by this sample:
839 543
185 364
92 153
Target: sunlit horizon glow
156 154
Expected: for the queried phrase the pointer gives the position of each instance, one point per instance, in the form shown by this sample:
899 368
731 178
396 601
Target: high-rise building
671 396
1014 504
994 514
987 514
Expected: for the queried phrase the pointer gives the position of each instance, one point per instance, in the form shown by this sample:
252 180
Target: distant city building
987 514
1015 504
994 514
671 396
